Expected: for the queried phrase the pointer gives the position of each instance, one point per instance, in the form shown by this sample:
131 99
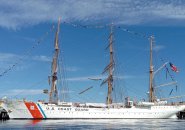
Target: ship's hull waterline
31 110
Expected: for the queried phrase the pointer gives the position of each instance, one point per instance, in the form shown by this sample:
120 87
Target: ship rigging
54 109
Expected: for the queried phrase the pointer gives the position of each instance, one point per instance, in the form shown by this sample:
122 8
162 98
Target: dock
181 115
3 114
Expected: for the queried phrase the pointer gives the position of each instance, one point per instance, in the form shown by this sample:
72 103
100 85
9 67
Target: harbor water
95 124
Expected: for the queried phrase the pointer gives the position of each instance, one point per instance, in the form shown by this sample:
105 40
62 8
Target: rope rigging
40 40
171 76
107 26
28 52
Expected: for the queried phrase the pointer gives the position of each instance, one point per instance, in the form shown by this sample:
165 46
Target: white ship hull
31 110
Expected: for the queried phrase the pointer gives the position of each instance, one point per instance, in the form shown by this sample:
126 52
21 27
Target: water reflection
94 124
34 122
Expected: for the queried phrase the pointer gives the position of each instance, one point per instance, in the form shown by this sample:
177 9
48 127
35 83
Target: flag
173 67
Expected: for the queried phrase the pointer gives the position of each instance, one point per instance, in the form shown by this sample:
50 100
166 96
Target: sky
27 30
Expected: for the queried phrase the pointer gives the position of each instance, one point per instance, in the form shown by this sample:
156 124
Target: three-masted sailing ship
54 109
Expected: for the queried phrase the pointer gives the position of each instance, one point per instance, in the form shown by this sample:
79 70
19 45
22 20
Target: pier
3 114
181 115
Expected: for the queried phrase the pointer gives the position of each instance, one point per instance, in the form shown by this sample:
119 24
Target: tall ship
55 109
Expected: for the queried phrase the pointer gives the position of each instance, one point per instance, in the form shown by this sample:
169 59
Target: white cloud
125 77
63 92
11 57
42 58
22 92
27 39
15 14
8 60
78 79
71 69
97 78
158 47
6 57
85 78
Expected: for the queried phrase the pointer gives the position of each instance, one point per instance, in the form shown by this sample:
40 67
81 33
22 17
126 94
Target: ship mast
110 78
53 95
109 69
151 88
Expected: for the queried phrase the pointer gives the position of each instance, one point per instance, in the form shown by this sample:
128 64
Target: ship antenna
53 95
151 88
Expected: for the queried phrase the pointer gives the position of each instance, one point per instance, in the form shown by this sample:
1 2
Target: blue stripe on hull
41 110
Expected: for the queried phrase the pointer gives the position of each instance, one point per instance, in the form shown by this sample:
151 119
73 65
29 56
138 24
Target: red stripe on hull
33 109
